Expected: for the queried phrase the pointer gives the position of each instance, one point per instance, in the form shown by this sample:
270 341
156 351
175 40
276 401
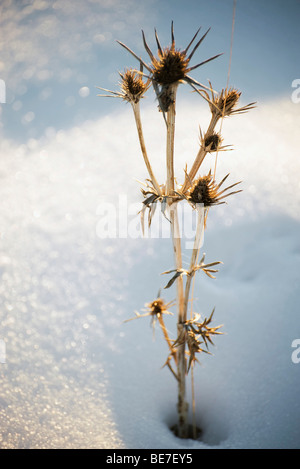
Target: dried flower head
203 329
171 65
224 103
205 191
212 142
194 346
132 87
155 309
192 331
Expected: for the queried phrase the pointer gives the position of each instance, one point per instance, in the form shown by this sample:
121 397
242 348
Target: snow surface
75 375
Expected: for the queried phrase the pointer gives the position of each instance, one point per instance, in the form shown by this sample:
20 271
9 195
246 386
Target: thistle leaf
178 273
170 283
164 206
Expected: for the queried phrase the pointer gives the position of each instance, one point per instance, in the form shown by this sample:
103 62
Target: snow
75 375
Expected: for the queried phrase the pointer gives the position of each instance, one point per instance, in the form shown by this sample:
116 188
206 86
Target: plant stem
137 116
170 140
166 335
193 263
182 405
200 155
195 254
193 403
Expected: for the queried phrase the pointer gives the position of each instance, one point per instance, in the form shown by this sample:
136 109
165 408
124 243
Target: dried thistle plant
165 72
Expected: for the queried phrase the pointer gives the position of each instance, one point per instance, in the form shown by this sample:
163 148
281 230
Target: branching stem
166 336
200 155
137 116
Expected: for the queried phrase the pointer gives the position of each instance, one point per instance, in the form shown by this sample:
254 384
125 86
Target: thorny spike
147 47
158 43
108 96
117 95
230 187
193 82
204 62
223 180
210 317
230 193
189 45
198 44
134 55
172 36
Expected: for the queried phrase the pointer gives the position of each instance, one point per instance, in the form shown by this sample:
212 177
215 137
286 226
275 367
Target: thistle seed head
171 66
157 307
224 103
227 100
206 191
132 85
213 142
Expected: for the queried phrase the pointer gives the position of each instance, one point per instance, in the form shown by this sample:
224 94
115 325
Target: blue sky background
54 53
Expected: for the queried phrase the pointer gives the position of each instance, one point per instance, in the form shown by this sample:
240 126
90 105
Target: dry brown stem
137 116
182 405
171 114
200 155
195 254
